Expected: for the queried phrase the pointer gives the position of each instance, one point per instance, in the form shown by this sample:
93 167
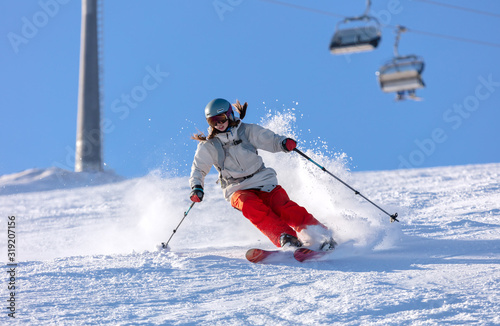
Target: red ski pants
273 213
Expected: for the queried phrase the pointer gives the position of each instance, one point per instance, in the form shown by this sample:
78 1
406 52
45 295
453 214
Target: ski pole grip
301 153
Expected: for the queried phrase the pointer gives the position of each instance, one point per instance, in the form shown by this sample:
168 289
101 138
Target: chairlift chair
401 74
356 39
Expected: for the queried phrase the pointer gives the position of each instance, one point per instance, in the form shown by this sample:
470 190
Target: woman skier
231 146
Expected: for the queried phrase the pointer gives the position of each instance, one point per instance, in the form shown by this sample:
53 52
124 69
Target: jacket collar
229 135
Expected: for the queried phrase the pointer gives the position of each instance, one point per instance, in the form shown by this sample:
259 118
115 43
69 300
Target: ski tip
255 255
261 255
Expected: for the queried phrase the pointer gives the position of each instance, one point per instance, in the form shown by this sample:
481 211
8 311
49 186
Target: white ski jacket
234 154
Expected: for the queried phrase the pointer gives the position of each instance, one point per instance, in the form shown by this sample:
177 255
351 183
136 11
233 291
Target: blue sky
272 54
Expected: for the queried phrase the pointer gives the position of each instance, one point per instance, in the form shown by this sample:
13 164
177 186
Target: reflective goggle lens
213 121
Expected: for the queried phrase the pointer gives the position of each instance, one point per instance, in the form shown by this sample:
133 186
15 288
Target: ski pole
164 245
393 216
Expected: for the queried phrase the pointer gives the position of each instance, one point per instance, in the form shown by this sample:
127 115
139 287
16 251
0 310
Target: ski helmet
218 107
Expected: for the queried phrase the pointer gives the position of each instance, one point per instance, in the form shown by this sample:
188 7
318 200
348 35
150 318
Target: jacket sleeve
265 139
202 164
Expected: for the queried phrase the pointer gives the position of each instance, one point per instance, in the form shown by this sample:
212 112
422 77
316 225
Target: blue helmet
216 108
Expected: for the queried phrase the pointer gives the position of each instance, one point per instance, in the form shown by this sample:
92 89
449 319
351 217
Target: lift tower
88 156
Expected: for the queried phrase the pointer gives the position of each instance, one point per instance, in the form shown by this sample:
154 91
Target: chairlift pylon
402 74
356 39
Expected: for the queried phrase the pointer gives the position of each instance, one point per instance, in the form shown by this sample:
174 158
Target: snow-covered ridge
52 178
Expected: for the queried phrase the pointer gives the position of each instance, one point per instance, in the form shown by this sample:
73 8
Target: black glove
289 144
196 194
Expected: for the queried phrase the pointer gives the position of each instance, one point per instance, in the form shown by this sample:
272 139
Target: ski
256 255
303 254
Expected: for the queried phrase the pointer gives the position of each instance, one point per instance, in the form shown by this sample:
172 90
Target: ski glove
289 144
196 194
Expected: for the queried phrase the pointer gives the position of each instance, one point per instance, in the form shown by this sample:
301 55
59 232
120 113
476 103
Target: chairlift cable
460 8
450 37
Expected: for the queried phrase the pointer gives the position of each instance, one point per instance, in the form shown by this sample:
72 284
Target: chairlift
356 39
402 74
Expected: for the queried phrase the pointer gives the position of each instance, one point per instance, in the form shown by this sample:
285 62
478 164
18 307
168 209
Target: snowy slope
88 253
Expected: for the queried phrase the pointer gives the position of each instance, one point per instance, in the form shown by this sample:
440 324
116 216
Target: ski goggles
221 118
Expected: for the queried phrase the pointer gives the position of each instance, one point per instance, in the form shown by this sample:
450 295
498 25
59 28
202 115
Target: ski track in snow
88 253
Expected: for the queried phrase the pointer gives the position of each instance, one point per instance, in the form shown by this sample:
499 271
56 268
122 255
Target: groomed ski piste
87 253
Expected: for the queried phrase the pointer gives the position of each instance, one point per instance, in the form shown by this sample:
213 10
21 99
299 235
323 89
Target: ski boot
287 240
328 245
